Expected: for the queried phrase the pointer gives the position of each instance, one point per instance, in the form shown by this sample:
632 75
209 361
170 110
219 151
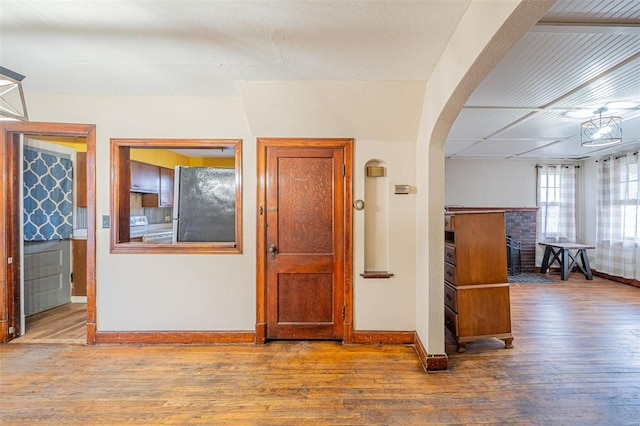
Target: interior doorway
12 302
304 239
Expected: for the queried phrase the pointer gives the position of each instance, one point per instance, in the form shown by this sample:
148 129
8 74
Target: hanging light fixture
12 104
601 131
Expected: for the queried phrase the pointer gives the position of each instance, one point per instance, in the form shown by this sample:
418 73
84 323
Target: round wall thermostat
358 204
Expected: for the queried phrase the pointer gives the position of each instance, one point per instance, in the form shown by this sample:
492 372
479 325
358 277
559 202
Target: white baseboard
78 299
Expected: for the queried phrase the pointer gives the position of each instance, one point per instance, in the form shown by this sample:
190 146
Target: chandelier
12 104
601 131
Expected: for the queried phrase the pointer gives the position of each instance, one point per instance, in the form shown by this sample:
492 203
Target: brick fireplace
520 225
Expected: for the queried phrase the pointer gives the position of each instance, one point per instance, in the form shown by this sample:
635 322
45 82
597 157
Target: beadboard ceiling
581 56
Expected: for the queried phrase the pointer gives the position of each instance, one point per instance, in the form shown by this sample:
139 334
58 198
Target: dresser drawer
451 320
450 273
450 253
450 297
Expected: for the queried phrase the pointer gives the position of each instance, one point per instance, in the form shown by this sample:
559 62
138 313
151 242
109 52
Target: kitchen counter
79 234
139 231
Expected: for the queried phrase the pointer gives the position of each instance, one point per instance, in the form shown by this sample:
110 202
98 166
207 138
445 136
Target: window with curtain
556 196
617 232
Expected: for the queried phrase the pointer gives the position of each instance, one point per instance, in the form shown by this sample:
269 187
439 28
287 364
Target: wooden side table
562 252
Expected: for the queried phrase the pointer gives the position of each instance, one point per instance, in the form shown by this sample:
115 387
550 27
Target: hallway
64 324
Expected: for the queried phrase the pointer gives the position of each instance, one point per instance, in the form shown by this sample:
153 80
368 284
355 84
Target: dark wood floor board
576 360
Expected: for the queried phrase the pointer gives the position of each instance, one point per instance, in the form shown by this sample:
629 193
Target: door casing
261 243
9 214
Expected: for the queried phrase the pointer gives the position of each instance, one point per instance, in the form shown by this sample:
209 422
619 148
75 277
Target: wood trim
12 238
384 337
174 337
261 244
433 362
8 131
451 209
347 325
628 281
261 154
376 274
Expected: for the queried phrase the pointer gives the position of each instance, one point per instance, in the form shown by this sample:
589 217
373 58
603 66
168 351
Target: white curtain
617 215
556 198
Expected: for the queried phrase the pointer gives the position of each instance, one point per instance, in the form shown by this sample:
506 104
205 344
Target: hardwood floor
576 360
64 324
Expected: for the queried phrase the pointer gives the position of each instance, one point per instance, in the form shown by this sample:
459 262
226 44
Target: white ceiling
201 48
583 55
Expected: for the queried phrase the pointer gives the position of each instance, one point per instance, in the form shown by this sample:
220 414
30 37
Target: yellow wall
226 163
159 157
169 159
79 144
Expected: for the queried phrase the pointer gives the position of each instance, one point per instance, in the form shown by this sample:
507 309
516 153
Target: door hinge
12 330
10 260
343 313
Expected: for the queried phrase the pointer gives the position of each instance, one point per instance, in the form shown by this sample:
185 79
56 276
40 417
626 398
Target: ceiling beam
587 27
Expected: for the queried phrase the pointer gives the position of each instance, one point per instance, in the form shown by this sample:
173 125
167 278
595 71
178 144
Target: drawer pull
448 273
448 297
448 255
447 321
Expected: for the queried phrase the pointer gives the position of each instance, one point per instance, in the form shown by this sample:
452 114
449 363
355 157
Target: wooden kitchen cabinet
477 301
79 252
145 177
81 179
166 188
164 197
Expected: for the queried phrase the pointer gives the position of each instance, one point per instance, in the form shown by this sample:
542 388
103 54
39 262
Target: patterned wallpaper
48 201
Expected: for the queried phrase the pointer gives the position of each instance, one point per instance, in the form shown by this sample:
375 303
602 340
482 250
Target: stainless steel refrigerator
204 207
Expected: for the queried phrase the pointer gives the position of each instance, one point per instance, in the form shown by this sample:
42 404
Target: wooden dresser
476 288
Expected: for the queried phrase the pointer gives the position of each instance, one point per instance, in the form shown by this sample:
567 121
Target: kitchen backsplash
80 220
153 214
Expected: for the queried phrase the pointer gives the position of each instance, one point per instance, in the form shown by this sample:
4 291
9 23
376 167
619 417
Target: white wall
372 309
490 183
147 292
477 183
484 35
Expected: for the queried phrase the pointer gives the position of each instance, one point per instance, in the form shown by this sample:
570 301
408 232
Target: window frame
623 202
120 197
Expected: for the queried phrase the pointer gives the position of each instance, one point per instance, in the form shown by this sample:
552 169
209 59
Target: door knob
272 250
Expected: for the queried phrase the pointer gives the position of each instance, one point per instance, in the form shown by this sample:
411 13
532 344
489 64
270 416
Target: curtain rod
539 166
616 157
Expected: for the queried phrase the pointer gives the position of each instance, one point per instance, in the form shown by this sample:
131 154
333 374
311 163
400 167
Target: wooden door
305 243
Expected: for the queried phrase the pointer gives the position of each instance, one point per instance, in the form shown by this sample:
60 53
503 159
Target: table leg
545 260
585 263
564 268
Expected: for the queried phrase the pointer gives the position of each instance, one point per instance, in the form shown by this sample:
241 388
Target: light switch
105 221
